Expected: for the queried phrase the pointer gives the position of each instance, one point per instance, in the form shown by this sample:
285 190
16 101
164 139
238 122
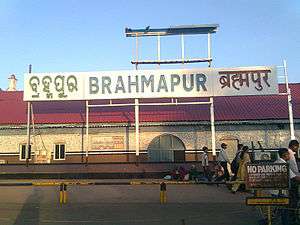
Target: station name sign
267 176
201 82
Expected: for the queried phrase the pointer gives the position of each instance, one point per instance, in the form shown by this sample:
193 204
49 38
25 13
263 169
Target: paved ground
125 205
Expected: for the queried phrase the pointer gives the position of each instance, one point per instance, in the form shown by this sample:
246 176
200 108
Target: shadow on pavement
30 212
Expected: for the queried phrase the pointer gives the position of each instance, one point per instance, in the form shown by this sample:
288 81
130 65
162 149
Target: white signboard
202 82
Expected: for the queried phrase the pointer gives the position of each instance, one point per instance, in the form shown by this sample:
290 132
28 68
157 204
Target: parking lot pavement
125 205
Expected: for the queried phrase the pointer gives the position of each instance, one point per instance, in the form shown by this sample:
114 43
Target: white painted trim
20 152
104 153
54 148
9 154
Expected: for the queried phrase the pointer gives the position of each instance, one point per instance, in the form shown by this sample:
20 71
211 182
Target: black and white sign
202 82
267 176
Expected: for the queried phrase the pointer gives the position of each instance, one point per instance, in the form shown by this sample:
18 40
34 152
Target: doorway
166 148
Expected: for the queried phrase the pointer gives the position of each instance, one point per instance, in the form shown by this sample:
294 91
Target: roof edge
149 124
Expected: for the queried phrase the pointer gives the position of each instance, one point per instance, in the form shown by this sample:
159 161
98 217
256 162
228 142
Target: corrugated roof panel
14 110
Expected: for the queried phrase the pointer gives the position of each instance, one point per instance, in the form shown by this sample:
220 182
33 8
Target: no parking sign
267 176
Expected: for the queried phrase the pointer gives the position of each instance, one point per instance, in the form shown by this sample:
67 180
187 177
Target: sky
89 35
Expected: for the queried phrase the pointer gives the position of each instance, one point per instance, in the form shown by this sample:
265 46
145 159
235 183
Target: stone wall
122 139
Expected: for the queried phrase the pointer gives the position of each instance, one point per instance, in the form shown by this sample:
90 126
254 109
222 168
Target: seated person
194 174
182 173
175 174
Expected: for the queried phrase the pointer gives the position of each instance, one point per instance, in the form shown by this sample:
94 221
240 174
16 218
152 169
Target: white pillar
87 131
137 130
28 132
136 52
158 47
182 48
209 48
136 114
212 123
28 124
289 95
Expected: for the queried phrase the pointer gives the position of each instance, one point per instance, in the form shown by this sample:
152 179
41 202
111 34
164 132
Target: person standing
205 164
293 150
288 216
223 160
235 162
241 174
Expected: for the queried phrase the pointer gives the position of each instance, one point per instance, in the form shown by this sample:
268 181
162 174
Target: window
166 148
59 152
22 152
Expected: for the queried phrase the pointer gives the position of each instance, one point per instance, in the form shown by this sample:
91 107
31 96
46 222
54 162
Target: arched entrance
166 148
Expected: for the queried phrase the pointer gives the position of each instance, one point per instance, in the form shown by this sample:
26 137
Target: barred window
59 152
22 152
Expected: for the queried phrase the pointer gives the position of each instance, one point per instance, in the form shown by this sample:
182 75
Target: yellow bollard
165 197
65 194
161 197
61 188
163 193
269 215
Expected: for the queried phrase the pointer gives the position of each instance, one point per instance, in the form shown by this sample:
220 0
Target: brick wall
193 137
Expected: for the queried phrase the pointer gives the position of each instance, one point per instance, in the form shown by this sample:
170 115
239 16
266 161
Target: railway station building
167 133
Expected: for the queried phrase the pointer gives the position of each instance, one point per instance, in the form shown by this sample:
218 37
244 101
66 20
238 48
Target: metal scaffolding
178 30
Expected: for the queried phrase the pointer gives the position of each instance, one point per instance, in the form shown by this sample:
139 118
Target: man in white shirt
284 157
293 150
287 216
223 159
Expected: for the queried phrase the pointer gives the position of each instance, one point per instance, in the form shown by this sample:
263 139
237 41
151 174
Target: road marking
108 220
5 219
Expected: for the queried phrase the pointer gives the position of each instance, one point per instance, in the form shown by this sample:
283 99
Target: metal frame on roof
173 30
206 29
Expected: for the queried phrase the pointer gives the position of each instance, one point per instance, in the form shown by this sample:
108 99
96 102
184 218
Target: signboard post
272 176
255 201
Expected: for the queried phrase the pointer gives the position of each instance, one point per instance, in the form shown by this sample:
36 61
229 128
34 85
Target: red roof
13 110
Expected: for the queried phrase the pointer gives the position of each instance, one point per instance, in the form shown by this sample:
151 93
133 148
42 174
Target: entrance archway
166 148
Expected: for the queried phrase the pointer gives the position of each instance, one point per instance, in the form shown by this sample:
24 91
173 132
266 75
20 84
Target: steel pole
290 106
137 129
212 122
182 48
87 131
28 125
209 48
136 52
136 113
158 48
28 133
